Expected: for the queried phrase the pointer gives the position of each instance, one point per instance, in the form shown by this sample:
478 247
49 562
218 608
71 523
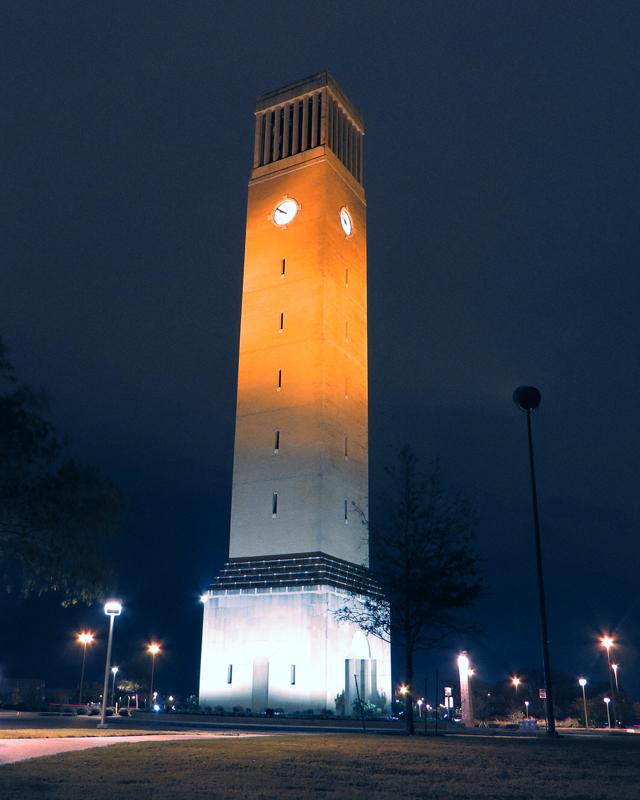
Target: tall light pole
607 701
154 649
112 608
84 639
526 705
583 683
527 398
607 642
614 667
114 670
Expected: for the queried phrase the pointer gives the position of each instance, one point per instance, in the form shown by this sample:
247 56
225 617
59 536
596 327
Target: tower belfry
301 451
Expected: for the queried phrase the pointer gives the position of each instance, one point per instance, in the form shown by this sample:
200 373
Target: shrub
216 709
68 710
82 711
110 711
124 712
366 709
238 710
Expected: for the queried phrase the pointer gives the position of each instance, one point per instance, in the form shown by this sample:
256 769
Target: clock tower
297 547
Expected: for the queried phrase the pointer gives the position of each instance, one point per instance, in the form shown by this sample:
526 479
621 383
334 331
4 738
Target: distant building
297 545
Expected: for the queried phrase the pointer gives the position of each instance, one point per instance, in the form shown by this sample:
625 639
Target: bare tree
422 556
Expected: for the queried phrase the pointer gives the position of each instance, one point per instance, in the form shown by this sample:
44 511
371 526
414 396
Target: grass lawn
72 733
353 767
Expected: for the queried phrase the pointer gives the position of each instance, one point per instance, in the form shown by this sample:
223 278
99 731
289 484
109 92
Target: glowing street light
154 649
614 667
113 687
607 643
526 705
607 701
84 639
516 683
113 609
583 683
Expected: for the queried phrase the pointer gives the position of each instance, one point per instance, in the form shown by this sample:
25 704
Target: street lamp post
154 649
113 687
516 683
112 609
607 642
526 705
607 701
527 398
583 683
614 667
84 639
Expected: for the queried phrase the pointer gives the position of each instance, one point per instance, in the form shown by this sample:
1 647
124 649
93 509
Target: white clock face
346 222
285 211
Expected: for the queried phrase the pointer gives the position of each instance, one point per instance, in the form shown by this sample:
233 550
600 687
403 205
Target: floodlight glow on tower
270 634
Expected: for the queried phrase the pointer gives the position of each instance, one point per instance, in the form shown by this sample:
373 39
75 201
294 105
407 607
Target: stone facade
300 476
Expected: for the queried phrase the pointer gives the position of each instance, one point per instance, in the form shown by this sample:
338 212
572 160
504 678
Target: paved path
12 750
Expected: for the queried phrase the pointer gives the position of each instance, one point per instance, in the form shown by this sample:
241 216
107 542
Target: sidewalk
12 750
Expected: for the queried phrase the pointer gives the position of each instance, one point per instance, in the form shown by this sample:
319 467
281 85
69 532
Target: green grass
73 733
340 767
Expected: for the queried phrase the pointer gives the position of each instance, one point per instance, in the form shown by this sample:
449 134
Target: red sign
542 694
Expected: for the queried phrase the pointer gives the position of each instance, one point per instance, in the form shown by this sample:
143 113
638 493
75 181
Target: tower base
281 647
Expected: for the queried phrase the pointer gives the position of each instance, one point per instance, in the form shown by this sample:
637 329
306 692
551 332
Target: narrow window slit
346 447
277 445
230 673
274 505
279 379
346 520
293 674
283 268
281 322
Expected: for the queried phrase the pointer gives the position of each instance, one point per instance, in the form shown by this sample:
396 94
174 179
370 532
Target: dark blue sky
501 174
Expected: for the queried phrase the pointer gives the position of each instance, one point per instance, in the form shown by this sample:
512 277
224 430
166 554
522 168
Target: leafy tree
422 556
92 692
130 687
54 513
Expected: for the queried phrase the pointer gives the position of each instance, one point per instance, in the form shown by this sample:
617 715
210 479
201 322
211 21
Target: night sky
501 176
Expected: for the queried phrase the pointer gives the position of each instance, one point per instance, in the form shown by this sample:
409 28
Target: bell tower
301 448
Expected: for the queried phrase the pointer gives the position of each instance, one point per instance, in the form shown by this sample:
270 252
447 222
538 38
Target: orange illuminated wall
301 459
